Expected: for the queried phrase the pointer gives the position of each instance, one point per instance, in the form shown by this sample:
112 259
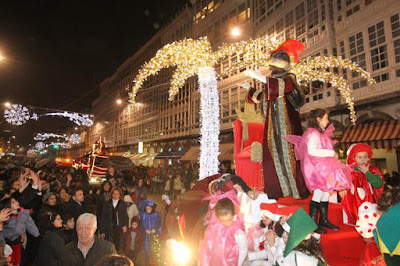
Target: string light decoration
189 56
64 145
35 117
209 131
79 119
40 145
16 114
75 139
44 136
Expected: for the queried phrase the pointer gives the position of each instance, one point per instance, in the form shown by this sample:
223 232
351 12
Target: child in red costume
367 182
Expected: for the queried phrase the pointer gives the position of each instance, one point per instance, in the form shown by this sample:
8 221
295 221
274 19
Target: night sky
58 51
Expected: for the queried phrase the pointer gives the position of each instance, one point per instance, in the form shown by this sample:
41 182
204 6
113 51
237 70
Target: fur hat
128 198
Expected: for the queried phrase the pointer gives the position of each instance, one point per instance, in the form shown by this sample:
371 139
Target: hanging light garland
18 115
79 119
44 136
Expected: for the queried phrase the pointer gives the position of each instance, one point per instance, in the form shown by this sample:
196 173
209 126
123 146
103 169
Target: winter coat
113 216
17 225
132 211
74 257
75 209
51 248
130 244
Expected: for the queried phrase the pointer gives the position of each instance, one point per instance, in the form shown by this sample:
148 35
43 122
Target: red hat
272 208
356 148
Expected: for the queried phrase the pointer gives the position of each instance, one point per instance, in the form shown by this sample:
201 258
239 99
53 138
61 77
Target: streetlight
6 104
119 101
1 57
235 32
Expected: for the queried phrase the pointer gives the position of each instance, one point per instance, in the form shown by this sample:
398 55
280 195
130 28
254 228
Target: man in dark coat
75 207
88 249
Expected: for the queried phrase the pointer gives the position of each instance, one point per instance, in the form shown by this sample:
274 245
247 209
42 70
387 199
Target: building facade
365 31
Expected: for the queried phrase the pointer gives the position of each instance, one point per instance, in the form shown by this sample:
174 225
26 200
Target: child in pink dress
322 171
224 242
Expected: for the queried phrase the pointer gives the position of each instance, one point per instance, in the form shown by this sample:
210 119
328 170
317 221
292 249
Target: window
367 2
397 72
382 77
395 23
379 55
379 58
356 44
312 13
349 2
339 5
343 55
352 10
289 32
376 34
357 51
300 20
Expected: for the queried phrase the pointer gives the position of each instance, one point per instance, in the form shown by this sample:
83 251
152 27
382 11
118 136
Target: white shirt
240 239
314 147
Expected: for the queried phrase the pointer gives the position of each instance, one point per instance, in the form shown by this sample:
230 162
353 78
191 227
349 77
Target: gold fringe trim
256 152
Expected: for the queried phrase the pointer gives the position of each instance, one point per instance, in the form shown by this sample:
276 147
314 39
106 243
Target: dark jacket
75 209
73 256
113 216
51 248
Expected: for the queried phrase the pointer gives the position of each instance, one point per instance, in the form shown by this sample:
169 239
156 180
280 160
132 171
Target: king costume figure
280 100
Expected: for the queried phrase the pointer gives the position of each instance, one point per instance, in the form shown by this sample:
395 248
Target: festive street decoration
75 139
16 114
40 145
64 145
191 57
209 131
44 136
79 119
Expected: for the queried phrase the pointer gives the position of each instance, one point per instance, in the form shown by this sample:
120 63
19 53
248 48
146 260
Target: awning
225 153
380 135
169 154
142 156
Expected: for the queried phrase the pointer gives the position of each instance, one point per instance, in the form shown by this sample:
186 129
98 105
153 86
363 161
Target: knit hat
135 219
128 198
367 219
47 196
301 225
356 148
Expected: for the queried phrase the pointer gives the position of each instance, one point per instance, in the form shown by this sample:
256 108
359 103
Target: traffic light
55 146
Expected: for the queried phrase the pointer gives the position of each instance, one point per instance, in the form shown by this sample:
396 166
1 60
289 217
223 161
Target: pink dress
219 245
324 173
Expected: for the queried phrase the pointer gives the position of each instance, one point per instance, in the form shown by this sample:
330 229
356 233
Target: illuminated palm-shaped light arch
191 57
